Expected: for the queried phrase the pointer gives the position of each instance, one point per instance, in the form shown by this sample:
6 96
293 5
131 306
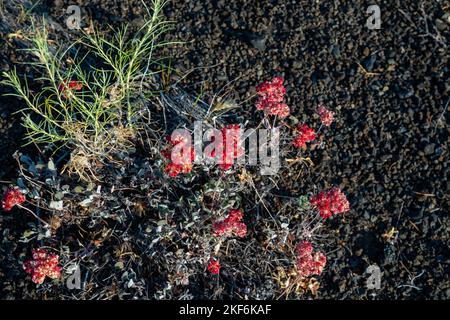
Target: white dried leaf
56 205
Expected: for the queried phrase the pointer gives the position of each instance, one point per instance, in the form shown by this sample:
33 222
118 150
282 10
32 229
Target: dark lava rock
257 40
389 254
369 62
371 246
405 93
416 214
429 149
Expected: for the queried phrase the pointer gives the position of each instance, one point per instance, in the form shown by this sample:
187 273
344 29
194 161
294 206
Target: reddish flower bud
271 96
231 226
305 134
11 198
326 116
178 162
214 266
43 264
330 202
309 263
67 87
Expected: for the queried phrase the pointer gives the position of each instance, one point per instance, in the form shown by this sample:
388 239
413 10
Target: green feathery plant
101 117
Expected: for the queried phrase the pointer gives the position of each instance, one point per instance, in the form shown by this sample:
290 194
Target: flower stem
30 211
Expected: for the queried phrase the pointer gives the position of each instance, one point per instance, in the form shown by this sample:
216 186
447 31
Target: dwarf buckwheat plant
305 134
271 96
326 116
43 264
12 198
309 263
330 202
214 266
231 226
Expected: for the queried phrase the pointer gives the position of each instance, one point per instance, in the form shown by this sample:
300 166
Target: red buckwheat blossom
309 263
43 264
67 87
179 163
330 202
231 226
214 266
230 148
11 198
280 109
305 134
271 96
326 116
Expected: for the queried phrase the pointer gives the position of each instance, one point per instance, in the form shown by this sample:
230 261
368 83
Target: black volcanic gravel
388 149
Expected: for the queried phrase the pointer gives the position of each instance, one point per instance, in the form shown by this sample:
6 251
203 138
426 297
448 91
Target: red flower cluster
11 198
214 266
330 202
271 96
67 87
179 162
326 116
230 148
309 263
42 265
305 134
231 226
